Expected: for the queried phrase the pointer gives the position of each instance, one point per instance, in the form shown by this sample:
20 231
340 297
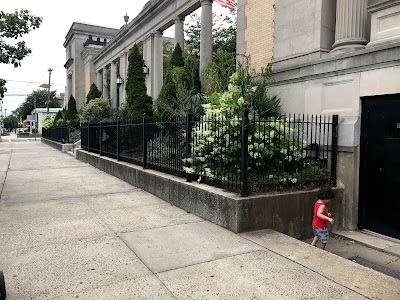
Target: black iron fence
242 153
62 134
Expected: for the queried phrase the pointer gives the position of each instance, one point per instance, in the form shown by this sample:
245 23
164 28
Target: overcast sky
47 41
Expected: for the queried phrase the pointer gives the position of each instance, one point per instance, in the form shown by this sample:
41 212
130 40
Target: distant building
61 100
40 114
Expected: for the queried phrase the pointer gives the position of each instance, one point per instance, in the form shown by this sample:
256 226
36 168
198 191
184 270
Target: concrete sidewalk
68 230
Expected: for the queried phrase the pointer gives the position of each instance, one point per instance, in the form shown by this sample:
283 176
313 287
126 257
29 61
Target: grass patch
5 134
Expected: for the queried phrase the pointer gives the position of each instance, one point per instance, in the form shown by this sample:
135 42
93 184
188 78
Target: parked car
20 130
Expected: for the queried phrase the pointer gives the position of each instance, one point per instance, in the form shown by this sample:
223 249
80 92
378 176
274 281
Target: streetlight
119 82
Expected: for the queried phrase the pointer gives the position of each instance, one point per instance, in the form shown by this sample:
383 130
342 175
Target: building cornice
146 16
376 5
380 56
85 29
87 51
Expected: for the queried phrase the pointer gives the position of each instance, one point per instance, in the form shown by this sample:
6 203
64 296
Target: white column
206 41
126 74
157 70
99 80
122 73
179 32
105 91
113 85
148 61
351 25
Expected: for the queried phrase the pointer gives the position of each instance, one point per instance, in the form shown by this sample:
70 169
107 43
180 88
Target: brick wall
259 34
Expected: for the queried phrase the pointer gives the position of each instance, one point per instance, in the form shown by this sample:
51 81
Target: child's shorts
322 234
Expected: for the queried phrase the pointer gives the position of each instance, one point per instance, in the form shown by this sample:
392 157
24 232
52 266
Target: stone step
349 274
375 241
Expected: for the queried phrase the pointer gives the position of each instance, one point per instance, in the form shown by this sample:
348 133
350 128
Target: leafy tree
71 114
167 95
93 93
10 122
181 82
41 102
137 100
224 33
15 25
167 51
192 67
218 71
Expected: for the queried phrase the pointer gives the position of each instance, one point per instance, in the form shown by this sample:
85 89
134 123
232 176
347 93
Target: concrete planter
289 213
59 146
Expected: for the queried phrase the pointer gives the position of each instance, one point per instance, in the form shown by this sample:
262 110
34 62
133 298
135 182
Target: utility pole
48 97
36 119
1 116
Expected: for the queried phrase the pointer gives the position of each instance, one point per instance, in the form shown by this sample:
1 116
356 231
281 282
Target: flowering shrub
48 121
276 152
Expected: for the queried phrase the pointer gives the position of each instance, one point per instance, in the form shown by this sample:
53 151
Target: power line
22 81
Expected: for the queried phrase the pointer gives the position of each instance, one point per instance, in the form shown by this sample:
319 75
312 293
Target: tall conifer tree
138 102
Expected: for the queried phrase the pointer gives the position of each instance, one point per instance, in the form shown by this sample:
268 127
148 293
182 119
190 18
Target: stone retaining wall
59 146
289 213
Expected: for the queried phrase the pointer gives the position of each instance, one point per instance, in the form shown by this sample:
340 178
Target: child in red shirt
322 217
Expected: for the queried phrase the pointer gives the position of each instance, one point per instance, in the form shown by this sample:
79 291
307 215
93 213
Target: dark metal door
379 209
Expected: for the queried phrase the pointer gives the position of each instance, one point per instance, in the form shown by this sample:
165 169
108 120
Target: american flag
226 3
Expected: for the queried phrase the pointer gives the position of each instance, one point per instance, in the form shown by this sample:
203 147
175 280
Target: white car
19 130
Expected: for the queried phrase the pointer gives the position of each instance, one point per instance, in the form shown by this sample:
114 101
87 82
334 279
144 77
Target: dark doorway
379 209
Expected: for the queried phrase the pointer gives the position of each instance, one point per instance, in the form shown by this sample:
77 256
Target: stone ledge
59 146
290 212
374 57
358 278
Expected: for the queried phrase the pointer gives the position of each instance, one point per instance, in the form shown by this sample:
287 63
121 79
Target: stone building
329 57
339 57
100 55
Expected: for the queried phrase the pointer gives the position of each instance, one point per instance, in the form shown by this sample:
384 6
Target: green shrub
95 111
93 93
137 100
272 142
48 121
71 113
58 117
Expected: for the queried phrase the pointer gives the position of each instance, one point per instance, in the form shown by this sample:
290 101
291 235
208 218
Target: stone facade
90 62
259 32
327 55
82 42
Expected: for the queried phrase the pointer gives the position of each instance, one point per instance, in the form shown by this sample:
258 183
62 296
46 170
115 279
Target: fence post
188 144
335 135
118 139
88 137
144 142
244 188
101 137
68 133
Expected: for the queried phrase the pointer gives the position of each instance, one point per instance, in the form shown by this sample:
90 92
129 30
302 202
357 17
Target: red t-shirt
317 222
